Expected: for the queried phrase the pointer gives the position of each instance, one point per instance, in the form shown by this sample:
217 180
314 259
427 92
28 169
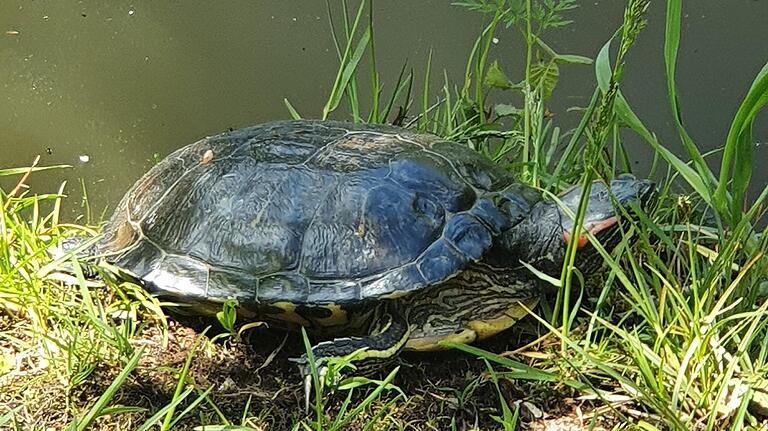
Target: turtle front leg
383 343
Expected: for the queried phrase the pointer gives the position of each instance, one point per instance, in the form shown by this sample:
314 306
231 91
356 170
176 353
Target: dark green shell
310 212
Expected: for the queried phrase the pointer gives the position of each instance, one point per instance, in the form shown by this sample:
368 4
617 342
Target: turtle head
601 216
542 238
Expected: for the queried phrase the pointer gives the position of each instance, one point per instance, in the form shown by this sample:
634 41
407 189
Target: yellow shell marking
396 294
289 313
338 316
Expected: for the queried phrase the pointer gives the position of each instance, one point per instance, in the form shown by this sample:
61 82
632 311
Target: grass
673 336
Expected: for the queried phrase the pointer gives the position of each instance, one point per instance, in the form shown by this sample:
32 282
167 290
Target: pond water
109 86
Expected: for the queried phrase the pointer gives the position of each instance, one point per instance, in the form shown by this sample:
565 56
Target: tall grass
676 330
672 336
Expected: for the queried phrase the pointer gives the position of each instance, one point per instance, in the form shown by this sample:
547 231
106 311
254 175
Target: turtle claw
307 390
306 374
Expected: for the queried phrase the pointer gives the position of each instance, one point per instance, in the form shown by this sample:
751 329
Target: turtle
377 237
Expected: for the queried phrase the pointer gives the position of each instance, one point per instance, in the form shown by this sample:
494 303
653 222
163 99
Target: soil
256 373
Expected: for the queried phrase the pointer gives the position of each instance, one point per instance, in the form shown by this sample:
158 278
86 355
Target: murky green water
104 86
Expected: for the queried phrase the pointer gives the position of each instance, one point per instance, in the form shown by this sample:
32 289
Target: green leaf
671 43
542 276
572 59
503 110
603 69
496 78
545 75
738 144
250 325
228 314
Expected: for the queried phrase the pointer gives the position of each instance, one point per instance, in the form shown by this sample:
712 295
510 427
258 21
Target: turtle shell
311 212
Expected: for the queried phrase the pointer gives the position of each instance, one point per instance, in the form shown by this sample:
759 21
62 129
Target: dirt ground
439 386
443 389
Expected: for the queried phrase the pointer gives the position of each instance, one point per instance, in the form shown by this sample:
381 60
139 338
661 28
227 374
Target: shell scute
486 211
368 226
468 235
443 185
277 287
439 262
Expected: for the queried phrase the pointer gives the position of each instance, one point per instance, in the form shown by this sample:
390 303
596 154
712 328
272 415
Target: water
107 87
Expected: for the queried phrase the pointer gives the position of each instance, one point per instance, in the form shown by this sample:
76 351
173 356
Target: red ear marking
583 240
593 228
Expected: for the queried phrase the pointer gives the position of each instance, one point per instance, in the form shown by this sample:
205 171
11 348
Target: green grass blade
566 158
738 144
334 38
200 398
625 113
226 428
315 379
349 62
671 45
291 110
573 59
97 409
152 421
401 84
22 171
508 419
519 369
424 117
367 401
9 416
375 79
182 381
121 410
375 421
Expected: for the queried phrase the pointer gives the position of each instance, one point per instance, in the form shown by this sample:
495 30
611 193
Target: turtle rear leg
383 343
473 306
427 337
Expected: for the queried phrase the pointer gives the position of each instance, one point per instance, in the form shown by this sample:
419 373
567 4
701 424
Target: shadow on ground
442 388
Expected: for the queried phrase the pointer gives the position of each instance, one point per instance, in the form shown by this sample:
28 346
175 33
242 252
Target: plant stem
527 89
